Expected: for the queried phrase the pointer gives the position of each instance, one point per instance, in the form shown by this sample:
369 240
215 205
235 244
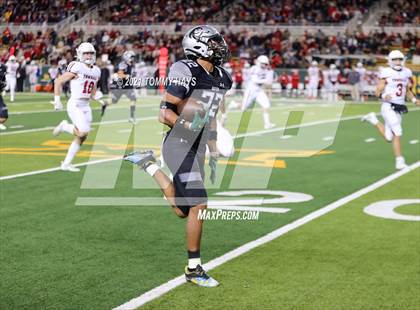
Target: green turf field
61 249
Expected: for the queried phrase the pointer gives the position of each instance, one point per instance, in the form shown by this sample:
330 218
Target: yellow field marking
261 158
277 163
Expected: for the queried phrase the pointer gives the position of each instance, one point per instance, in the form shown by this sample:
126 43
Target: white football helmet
83 48
359 65
263 60
393 56
128 57
333 66
12 58
207 43
62 63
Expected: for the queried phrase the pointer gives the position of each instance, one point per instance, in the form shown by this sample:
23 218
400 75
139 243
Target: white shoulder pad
180 69
74 67
385 73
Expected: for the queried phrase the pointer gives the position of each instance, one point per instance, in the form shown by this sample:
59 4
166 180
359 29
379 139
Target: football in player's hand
188 110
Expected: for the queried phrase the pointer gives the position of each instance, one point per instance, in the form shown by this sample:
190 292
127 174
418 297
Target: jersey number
213 103
399 89
87 88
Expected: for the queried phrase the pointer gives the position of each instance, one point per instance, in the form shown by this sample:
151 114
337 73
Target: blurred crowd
402 12
295 11
159 11
269 12
41 11
284 50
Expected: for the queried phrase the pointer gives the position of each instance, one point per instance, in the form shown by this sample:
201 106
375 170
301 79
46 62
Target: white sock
193 262
68 128
399 158
152 168
374 121
73 149
266 118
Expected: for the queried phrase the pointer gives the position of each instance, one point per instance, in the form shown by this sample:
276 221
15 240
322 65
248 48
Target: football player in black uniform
198 85
122 84
4 115
62 68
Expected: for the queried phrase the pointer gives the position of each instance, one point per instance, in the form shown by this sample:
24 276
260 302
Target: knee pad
397 130
388 134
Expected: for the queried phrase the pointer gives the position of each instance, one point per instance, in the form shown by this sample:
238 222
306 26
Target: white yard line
93 162
255 133
277 107
166 287
125 120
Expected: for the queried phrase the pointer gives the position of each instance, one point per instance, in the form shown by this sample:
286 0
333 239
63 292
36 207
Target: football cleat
2 127
59 129
132 120
69 167
103 107
400 163
371 118
198 276
269 126
141 158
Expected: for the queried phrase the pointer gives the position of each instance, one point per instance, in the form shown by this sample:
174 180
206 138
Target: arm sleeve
179 80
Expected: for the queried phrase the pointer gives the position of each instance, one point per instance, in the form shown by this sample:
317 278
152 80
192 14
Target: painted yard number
386 209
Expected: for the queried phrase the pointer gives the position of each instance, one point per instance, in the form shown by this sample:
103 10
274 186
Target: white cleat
400 163
269 126
69 167
2 127
132 120
59 129
371 118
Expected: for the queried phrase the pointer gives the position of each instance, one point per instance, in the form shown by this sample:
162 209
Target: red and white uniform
258 77
11 74
396 86
313 76
81 88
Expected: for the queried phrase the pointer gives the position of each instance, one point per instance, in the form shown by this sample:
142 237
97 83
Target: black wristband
167 105
213 135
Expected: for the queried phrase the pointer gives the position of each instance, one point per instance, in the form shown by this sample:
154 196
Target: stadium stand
42 11
401 12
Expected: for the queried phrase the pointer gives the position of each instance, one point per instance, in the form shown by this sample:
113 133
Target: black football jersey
3 70
188 79
125 83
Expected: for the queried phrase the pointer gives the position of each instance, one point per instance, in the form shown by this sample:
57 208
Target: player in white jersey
332 76
361 84
313 80
245 73
259 75
83 76
32 71
142 74
393 88
11 66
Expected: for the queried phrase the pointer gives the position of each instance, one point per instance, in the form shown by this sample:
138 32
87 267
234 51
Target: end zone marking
166 287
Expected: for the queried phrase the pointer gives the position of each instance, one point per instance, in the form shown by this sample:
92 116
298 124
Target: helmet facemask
218 50
207 43
396 63
90 60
